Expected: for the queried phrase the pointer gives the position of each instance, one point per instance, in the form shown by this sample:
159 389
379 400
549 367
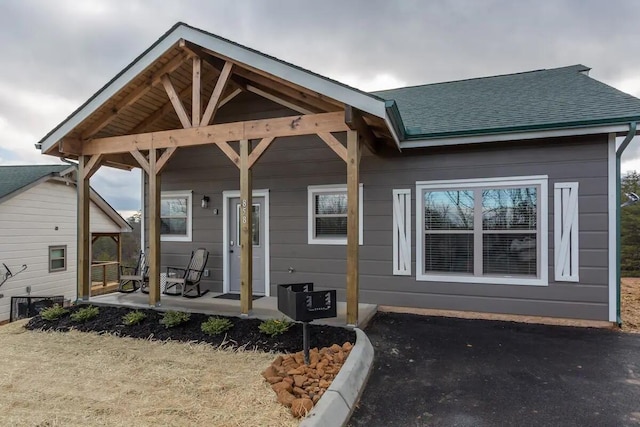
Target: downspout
619 151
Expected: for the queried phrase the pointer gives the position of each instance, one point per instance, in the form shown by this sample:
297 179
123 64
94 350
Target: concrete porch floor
263 308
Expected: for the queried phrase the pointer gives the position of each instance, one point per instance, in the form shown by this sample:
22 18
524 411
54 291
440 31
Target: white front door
258 233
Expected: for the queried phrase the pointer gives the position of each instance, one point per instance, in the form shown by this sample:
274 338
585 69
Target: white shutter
402 232
565 239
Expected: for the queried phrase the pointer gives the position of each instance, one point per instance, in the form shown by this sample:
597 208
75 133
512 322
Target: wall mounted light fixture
205 202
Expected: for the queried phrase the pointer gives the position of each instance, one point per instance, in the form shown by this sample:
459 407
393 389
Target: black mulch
244 332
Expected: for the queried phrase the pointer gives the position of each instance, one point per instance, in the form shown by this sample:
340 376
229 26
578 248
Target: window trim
543 232
189 196
55 247
312 190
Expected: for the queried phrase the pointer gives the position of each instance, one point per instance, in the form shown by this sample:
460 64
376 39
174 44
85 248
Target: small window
57 258
327 214
175 216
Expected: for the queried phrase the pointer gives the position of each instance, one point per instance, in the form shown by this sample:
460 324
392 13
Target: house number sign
244 211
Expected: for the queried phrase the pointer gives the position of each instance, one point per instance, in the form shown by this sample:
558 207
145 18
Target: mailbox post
301 303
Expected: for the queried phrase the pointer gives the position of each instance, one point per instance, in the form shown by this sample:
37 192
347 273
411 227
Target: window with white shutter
565 243
402 232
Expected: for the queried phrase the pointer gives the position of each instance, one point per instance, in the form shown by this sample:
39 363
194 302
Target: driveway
437 371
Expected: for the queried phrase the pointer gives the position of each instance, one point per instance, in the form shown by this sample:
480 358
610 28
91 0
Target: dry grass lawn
79 379
630 304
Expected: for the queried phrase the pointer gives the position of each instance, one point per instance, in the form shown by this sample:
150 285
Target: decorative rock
298 391
273 380
296 371
301 407
288 380
285 398
299 380
324 384
279 359
335 348
269 372
281 386
347 346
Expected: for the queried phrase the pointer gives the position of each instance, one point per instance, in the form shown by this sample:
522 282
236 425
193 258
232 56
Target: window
175 216
255 225
57 258
327 214
483 231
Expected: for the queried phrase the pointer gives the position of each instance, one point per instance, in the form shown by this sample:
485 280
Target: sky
56 54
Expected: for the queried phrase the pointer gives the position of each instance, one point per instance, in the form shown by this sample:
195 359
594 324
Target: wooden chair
134 278
186 281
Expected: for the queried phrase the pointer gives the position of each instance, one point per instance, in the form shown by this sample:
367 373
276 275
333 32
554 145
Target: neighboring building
38 209
495 194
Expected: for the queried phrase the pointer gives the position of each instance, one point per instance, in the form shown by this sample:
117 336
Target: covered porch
167 100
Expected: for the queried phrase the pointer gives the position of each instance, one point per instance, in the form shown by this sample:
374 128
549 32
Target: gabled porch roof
135 101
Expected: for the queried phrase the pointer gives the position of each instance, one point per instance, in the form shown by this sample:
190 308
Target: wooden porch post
246 241
353 217
154 229
83 261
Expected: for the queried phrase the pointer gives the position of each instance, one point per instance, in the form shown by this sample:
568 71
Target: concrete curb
338 402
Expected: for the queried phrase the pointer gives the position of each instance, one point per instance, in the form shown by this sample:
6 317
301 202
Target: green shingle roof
542 99
13 178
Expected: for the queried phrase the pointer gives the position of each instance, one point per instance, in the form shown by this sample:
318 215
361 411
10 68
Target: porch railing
105 272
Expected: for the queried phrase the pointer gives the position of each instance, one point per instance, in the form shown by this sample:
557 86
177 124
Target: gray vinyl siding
292 164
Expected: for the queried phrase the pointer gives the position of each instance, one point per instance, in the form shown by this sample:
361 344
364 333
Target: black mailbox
300 302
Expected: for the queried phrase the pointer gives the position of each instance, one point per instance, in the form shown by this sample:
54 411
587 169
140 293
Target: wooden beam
162 161
254 129
279 100
216 95
229 152
69 145
283 86
195 95
246 234
142 160
153 80
168 107
257 152
176 102
83 262
353 226
92 166
154 230
229 97
334 144
353 118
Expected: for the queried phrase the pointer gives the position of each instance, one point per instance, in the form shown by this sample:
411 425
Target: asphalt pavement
438 371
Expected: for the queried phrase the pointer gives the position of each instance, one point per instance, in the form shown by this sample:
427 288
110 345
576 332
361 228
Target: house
38 208
494 194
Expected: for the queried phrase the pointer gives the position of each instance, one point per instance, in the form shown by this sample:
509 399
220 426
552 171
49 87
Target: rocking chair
186 281
133 278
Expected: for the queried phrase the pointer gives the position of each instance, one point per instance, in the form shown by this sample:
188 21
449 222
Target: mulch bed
244 333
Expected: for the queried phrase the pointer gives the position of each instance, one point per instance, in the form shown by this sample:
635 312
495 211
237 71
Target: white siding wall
28 224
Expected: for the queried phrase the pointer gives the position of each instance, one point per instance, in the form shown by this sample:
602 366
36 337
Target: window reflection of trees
448 210
509 208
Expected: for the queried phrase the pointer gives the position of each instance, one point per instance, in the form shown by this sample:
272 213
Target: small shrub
84 314
133 318
273 327
216 325
53 313
174 318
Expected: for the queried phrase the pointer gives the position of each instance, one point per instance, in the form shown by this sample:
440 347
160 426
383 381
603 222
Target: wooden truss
152 151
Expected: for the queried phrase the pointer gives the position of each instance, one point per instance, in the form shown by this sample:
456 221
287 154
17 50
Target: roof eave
367 103
617 127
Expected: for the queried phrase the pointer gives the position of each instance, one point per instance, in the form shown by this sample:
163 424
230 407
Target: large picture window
175 216
483 231
327 214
